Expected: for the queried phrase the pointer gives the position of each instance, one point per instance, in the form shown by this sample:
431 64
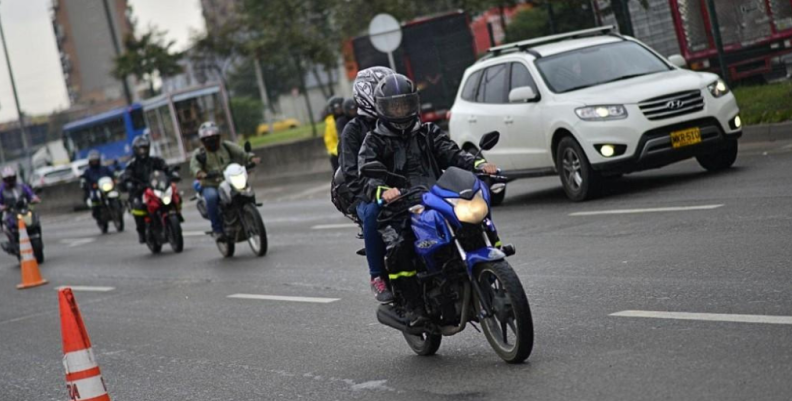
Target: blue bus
111 133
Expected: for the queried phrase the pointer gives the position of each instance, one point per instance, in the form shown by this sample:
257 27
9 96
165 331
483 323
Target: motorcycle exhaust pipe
387 316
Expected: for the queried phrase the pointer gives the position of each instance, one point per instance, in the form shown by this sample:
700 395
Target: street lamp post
718 40
22 128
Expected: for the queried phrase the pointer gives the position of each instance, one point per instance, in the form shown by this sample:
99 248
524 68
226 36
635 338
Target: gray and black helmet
363 89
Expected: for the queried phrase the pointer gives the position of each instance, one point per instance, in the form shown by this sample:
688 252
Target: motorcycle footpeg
509 249
259 204
361 252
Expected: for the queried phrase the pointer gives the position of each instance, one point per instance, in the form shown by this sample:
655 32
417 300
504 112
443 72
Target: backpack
343 199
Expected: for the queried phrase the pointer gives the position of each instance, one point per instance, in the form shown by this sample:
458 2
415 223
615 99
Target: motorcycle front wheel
118 216
175 237
38 249
256 232
153 242
510 328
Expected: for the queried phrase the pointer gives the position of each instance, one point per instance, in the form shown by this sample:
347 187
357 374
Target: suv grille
673 105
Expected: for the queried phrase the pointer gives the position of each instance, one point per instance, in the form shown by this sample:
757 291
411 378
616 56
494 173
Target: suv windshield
598 65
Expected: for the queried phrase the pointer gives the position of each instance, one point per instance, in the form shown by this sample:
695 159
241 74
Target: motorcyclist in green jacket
209 162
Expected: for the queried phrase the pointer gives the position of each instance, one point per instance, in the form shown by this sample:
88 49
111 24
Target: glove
89 202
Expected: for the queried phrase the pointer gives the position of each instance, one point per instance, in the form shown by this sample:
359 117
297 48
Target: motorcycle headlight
718 88
27 218
167 197
470 211
602 113
239 181
107 186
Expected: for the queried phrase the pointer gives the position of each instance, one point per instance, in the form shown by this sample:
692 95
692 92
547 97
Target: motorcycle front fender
483 255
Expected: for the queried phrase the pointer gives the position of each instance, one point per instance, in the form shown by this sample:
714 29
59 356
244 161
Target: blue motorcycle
461 263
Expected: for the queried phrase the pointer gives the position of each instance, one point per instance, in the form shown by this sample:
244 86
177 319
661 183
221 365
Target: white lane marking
72 242
86 288
284 298
713 317
653 210
193 233
333 226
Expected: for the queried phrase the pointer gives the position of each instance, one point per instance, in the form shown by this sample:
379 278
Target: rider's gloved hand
391 194
255 160
488 168
200 175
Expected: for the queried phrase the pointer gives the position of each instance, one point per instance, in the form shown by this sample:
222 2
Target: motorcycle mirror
248 147
489 140
374 170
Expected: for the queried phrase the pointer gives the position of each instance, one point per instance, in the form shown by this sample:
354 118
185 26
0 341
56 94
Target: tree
247 113
146 57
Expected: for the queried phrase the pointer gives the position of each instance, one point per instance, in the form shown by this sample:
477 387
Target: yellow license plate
685 137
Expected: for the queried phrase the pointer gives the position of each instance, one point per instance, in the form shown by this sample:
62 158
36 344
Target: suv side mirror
678 61
374 170
522 95
489 140
248 147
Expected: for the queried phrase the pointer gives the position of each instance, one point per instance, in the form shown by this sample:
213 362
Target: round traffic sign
385 33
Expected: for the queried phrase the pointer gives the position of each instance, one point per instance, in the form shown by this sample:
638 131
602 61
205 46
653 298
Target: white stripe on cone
78 361
85 389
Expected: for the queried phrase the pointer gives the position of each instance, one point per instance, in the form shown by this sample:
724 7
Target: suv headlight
718 88
239 181
602 113
470 211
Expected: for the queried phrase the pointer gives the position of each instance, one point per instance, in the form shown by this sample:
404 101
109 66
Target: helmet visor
142 151
399 107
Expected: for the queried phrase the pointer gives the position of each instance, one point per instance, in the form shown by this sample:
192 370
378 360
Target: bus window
138 122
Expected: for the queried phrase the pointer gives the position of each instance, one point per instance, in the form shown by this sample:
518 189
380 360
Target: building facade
85 42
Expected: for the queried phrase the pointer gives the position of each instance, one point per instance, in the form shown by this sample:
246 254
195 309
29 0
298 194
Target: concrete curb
767 132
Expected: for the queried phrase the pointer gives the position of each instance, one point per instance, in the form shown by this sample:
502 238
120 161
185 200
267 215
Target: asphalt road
168 331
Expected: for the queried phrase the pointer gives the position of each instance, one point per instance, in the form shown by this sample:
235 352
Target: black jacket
420 156
351 140
138 170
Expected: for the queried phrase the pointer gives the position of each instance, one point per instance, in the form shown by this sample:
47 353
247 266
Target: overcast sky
34 54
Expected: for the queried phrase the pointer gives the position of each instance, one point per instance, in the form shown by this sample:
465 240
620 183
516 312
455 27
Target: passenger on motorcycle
90 178
419 152
207 165
135 179
11 191
351 139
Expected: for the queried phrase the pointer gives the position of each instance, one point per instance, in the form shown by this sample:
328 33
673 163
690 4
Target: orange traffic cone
31 277
83 378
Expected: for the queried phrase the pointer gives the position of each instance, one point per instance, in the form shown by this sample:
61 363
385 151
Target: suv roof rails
527 44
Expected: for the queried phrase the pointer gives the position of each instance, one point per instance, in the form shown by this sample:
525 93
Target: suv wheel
720 160
580 181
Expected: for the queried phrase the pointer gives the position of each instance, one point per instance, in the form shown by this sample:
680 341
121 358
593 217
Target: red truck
756 34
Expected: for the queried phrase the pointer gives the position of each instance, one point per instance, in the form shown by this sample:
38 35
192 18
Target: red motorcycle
163 223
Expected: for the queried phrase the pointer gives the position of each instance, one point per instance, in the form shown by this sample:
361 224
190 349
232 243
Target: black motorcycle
238 209
21 210
106 204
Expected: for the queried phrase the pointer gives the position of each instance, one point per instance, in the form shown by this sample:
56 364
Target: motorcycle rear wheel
226 248
175 237
424 345
103 226
500 284
256 232
118 216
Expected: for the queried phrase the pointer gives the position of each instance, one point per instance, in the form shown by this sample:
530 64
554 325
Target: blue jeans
375 248
212 198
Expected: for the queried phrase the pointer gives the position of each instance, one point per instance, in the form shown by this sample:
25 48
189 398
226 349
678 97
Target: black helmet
398 103
94 158
335 105
350 107
141 146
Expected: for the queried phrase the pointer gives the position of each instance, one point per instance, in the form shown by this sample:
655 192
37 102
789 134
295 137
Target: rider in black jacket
419 152
135 179
351 139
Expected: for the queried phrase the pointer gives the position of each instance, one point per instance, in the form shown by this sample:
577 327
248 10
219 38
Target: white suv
592 104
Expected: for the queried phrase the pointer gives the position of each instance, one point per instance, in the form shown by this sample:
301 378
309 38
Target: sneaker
381 292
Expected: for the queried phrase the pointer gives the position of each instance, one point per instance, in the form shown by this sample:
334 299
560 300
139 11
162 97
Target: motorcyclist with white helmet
90 178
207 165
11 190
